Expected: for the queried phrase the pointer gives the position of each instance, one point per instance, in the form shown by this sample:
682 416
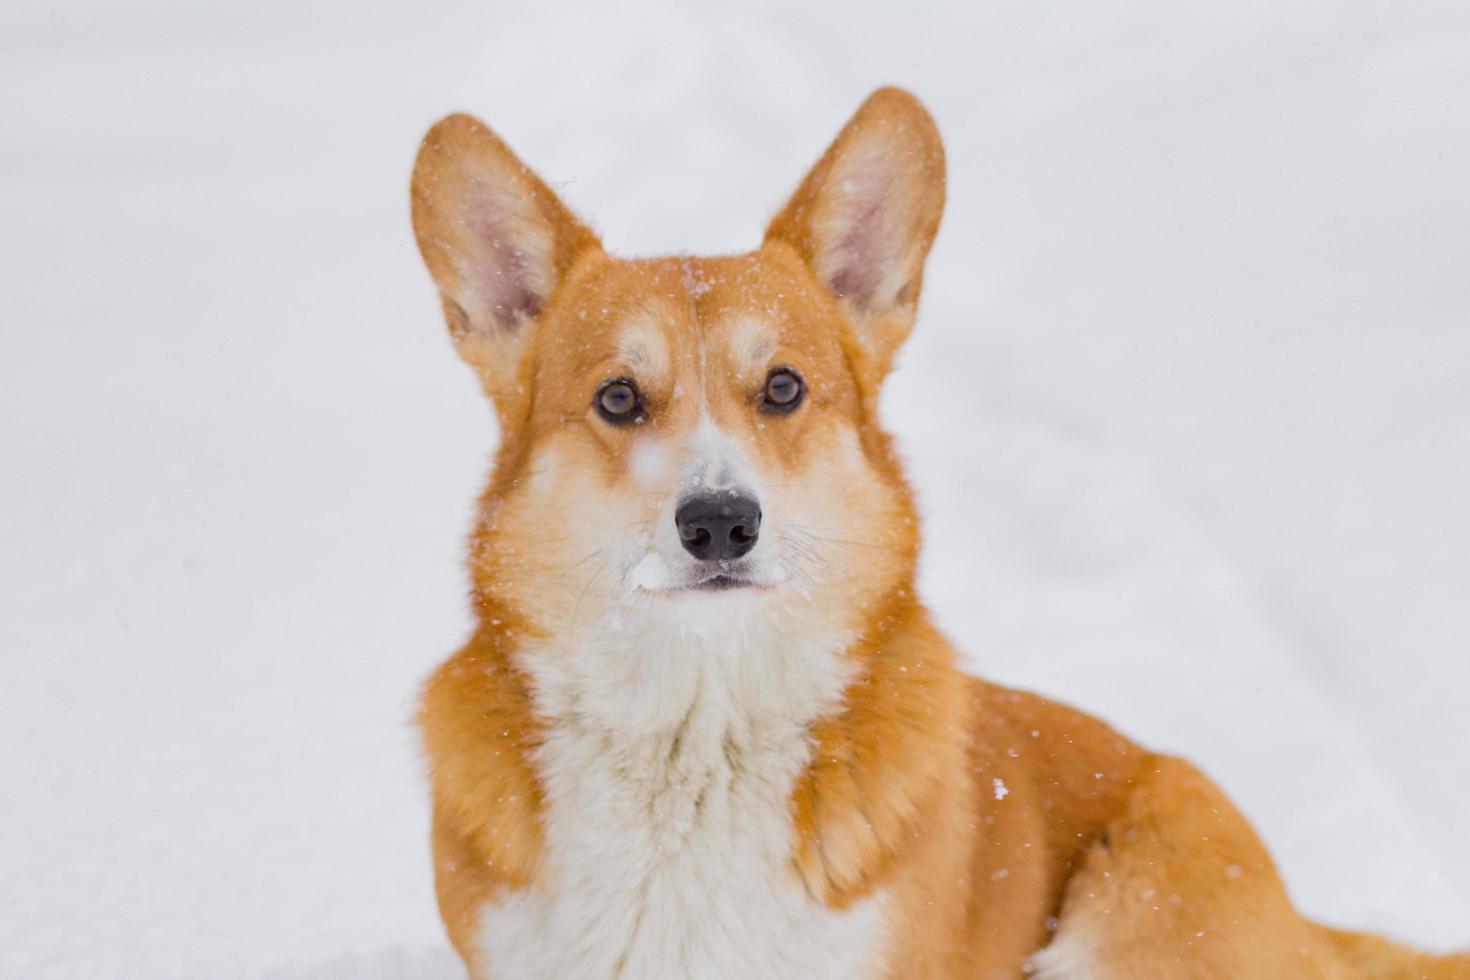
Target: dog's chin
731 581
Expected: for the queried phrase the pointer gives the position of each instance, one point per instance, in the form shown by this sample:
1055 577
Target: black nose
718 525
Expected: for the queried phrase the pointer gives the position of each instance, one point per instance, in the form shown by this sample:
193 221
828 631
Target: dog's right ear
497 241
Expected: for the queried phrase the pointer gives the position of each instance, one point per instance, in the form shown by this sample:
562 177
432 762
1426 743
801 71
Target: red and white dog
704 727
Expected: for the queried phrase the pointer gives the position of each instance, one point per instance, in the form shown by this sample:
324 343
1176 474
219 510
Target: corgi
704 727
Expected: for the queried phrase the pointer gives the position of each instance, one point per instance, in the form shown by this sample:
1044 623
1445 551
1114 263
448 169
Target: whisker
577 606
579 563
844 541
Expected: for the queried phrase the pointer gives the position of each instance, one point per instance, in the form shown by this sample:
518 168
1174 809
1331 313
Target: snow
1186 408
651 572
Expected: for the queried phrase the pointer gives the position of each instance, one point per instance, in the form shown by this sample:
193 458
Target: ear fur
496 239
866 215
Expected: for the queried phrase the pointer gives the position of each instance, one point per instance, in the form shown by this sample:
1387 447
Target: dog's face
687 436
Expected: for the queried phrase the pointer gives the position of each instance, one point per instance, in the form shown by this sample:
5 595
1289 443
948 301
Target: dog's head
687 434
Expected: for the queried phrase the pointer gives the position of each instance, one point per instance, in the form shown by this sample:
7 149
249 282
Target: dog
704 727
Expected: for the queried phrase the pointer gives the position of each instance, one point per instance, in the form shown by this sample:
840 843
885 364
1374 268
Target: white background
1188 409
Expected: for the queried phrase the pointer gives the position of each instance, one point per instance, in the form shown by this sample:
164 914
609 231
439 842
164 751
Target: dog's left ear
865 216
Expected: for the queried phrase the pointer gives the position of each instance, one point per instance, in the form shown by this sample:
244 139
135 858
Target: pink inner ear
502 275
859 256
860 253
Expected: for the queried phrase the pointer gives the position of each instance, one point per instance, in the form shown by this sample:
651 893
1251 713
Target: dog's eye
618 401
784 390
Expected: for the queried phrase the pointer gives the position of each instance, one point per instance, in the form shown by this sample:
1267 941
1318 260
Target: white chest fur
668 770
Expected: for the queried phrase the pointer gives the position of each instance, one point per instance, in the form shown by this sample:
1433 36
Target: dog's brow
752 340
641 346
633 352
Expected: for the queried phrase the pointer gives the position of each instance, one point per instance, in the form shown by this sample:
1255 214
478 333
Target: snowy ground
1187 406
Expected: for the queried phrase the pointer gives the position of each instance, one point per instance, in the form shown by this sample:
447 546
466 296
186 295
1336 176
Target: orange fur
994 821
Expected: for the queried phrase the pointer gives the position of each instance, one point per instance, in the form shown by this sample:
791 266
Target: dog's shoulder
479 731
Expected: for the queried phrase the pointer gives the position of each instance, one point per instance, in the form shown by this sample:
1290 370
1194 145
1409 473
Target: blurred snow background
1188 407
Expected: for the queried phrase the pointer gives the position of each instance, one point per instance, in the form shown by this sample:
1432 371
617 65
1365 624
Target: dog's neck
730 669
800 713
